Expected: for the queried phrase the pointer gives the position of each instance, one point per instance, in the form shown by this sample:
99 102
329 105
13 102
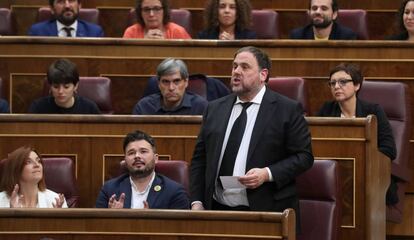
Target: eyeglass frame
341 83
155 9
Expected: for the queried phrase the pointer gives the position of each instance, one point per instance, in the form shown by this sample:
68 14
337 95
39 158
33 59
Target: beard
67 20
324 24
141 173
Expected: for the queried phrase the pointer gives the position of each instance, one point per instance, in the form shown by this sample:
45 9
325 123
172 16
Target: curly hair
401 15
165 7
243 14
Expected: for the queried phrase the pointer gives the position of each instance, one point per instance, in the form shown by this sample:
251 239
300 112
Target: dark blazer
338 33
280 140
239 34
386 142
49 28
4 106
169 194
400 36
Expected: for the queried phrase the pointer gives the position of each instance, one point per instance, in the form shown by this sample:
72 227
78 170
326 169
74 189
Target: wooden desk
95 144
125 224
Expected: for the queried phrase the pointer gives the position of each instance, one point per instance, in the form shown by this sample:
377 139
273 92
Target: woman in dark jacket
227 20
345 80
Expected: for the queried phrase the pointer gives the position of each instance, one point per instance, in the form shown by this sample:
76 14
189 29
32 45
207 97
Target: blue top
338 32
4 106
192 104
49 28
47 105
214 34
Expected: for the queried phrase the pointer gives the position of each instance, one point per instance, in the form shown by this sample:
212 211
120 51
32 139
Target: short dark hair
166 12
334 5
262 58
13 168
352 70
62 71
137 136
51 2
401 15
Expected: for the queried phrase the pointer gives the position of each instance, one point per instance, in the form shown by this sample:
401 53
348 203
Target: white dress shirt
62 32
238 197
137 197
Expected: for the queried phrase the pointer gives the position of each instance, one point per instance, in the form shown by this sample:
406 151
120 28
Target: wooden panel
97 141
114 19
146 224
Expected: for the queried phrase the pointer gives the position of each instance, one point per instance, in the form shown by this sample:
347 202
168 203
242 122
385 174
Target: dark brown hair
401 15
352 70
13 167
243 15
165 7
51 2
263 60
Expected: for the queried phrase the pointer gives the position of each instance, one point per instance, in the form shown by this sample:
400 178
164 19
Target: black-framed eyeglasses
156 9
341 82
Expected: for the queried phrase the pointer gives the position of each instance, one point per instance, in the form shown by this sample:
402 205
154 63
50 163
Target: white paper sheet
230 182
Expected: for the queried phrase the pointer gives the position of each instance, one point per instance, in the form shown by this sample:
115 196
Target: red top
172 31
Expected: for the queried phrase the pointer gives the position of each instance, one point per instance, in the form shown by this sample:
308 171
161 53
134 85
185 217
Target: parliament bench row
268 24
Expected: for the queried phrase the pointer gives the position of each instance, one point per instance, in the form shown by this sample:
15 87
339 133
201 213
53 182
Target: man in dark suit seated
173 99
257 139
323 26
65 22
142 187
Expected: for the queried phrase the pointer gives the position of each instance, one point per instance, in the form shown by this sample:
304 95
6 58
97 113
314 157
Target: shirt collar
185 103
257 99
60 26
146 189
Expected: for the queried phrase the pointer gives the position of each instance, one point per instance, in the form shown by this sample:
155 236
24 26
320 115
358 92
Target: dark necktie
68 31
233 143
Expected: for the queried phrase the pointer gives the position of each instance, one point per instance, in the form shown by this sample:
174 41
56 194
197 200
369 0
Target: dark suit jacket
280 141
4 106
338 33
170 196
386 142
400 36
49 28
239 34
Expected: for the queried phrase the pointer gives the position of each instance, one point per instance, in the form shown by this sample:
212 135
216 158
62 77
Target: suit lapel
264 116
154 192
53 29
125 187
80 31
226 106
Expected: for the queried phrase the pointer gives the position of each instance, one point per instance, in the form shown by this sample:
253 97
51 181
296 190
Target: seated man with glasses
153 17
345 81
172 75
